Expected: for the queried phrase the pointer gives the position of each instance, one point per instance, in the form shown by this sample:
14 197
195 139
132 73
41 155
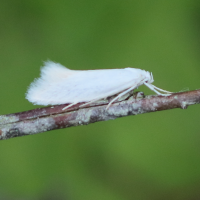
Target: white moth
60 85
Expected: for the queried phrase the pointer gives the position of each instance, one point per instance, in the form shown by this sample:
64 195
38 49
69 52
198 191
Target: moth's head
149 77
141 74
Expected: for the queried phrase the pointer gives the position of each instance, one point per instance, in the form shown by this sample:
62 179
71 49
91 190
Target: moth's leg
69 105
153 89
106 98
121 94
126 96
89 102
160 89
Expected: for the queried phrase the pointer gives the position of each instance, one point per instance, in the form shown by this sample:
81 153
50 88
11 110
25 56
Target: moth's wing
51 74
84 86
97 84
54 71
59 85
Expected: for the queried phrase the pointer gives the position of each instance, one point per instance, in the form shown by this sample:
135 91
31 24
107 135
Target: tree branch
50 118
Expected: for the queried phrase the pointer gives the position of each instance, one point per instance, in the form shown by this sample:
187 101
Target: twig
50 118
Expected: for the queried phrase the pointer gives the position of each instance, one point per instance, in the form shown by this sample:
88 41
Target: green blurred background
153 156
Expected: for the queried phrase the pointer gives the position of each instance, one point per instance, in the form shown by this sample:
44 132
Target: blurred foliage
146 157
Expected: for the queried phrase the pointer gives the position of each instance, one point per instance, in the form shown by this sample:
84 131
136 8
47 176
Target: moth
60 85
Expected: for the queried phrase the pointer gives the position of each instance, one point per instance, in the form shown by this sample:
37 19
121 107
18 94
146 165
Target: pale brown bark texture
50 118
